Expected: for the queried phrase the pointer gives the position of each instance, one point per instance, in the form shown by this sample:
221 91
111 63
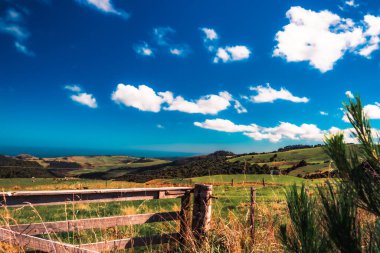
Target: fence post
201 210
184 217
252 214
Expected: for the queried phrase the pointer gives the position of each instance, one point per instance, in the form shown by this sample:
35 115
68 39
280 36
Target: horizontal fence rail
38 198
25 235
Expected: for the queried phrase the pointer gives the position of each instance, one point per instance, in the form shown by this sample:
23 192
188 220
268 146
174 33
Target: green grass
308 154
20 184
227 201
251 178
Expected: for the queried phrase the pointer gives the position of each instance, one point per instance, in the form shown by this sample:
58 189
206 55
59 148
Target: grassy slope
316 156
99 163
307 154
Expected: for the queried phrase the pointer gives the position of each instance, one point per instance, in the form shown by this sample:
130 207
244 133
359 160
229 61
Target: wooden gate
26 235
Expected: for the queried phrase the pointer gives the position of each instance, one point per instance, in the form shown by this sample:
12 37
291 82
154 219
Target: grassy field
317 160
308 154
230 206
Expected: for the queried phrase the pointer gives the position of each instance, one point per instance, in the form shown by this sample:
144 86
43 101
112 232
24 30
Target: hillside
316 160
302 161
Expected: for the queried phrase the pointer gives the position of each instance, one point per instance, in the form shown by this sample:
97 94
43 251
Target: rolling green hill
316 159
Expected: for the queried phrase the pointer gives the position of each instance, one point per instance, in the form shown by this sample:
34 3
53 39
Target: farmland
230 205
231 194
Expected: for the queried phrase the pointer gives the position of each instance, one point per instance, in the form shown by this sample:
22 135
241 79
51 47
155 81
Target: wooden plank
27 241
131 242
185 222
88 191
252 214
201 210
37 198
82 224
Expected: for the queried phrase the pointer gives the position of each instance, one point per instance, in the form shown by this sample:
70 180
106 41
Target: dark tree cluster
64 165
298 146
14 162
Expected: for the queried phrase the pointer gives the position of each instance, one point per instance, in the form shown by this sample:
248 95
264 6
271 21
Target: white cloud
73 88
224 53
283 131
324 113
371 111
351 3
322 38
105 6
224 125
349 94
239 107
230 54
143 49
160 126
85 99
210 34
210 104
179 50
145 98
266 94
372 33
12 25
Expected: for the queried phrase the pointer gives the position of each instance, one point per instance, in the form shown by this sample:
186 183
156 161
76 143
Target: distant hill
11 167
212 164
296 160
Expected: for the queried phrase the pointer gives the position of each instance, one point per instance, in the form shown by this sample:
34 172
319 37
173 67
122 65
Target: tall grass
230 228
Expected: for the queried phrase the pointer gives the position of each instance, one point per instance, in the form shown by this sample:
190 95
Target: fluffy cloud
372 111
143 49
372 33
230 54
105 6
323 113
85 99
210 104
266 94
210 34
225 53
81 97
224 125
349 94
12 25
73 88
351 3
145 98
283 131
322 38
179 50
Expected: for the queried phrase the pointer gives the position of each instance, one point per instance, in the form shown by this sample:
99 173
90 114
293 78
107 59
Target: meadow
230 209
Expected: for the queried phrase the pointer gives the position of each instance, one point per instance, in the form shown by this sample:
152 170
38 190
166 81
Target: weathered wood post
184 214
232 182
252 213
201 210
263 182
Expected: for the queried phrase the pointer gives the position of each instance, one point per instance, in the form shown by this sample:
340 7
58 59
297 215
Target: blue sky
117 76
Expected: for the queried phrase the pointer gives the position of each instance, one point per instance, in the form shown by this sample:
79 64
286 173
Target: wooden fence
25 235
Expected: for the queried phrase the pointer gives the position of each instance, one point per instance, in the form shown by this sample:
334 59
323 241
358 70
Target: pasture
230 208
